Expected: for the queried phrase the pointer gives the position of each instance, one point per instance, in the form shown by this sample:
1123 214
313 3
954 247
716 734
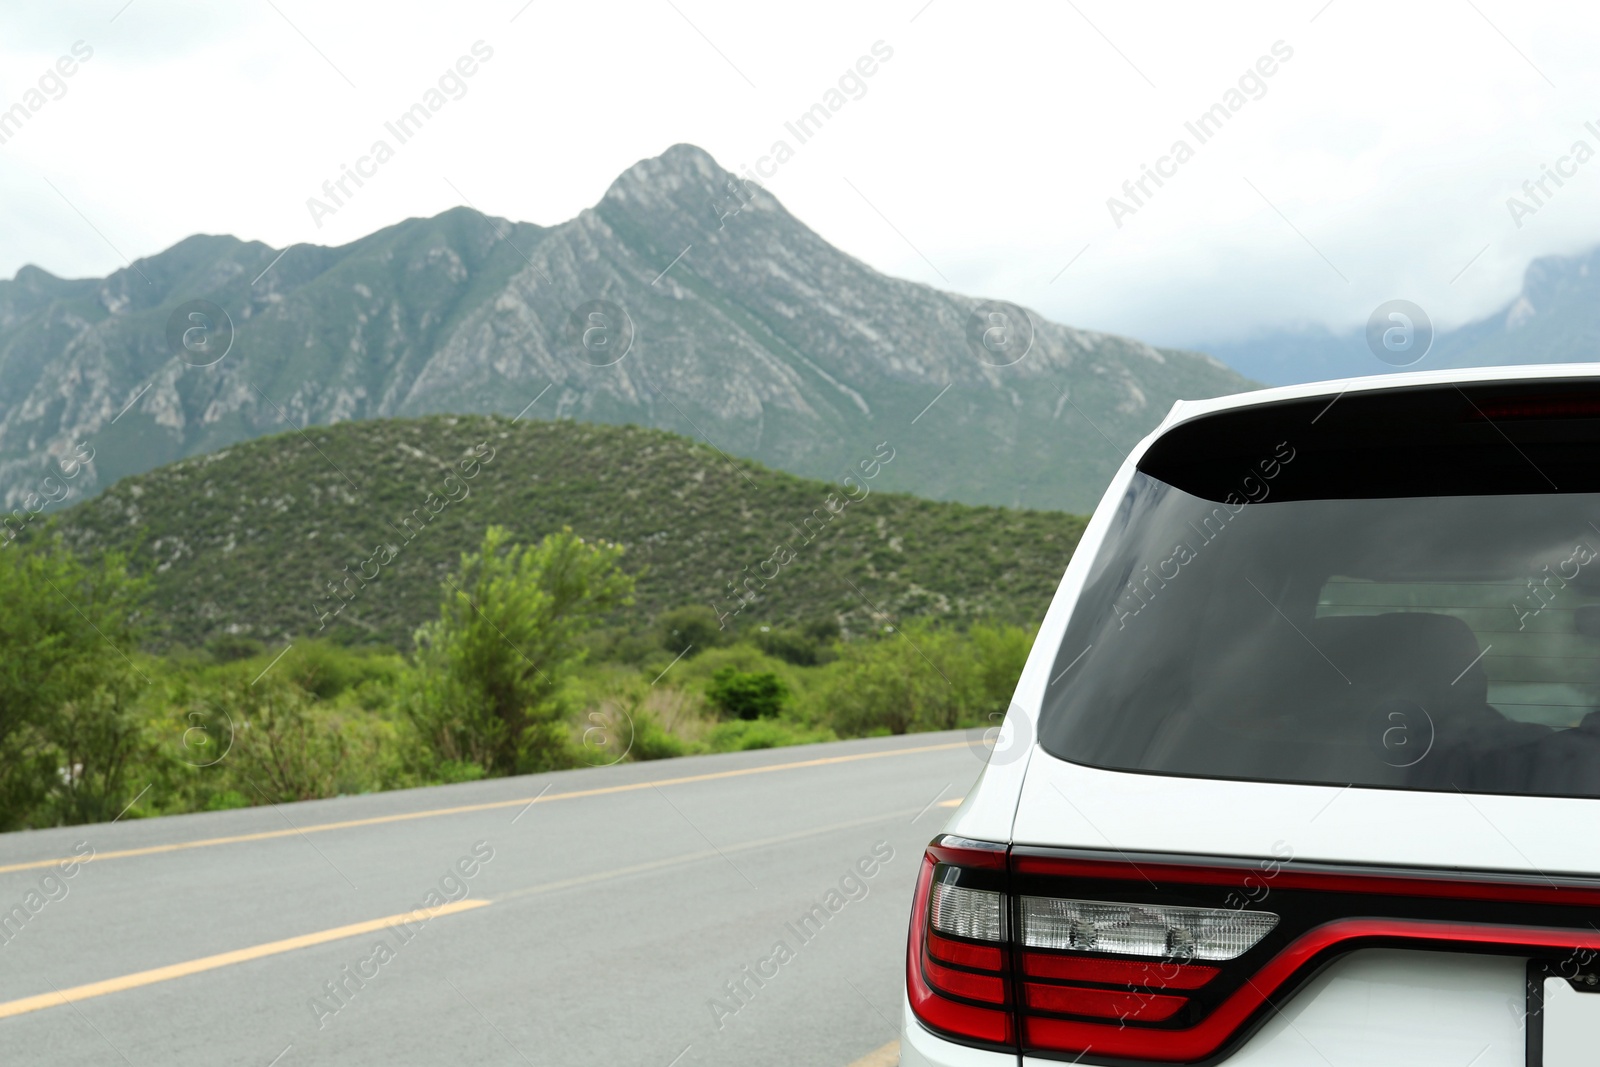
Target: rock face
686 299
1554 319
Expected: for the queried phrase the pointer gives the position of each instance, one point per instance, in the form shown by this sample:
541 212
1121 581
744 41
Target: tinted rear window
1399 590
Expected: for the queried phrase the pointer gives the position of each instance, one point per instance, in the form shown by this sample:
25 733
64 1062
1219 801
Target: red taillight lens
1152 974
968 929
1067 975
963 954
957 960
1101 1003
1063 952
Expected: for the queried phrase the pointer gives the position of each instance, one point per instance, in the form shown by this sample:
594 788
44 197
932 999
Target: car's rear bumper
1375 1008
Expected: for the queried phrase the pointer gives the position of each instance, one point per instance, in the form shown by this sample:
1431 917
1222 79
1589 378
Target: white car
1304 767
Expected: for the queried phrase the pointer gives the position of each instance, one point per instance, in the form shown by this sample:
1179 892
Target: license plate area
1563 1020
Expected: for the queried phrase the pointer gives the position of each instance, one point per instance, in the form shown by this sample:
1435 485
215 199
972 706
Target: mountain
1554 319
736 323
348 531
1307 354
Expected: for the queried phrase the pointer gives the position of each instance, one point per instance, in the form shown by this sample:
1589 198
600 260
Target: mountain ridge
737 324
1554 318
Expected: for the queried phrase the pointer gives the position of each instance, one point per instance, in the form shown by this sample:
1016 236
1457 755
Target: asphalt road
602 924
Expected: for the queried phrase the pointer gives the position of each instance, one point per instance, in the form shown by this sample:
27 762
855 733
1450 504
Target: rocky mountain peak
681 167
684 190
688 299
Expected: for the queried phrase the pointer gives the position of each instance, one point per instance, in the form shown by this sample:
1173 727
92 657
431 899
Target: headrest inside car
1421 655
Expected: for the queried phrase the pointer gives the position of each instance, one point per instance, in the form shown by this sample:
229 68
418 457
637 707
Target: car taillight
1091 957
1070 975
958 973
1142 929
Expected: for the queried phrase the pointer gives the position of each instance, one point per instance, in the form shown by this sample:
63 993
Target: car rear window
1399 590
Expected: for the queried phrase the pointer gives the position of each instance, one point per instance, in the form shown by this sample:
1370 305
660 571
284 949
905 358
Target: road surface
742 909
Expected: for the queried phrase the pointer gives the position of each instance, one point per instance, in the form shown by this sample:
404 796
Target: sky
1361 151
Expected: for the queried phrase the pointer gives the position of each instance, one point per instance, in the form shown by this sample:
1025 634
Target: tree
747 695
925 677
67 684
896 683
490 669
994 661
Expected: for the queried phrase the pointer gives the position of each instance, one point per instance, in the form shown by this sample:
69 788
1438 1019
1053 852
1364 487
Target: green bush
989 669
226 800
894 683
286 747
449 772
746 695
652 741
924 678
694 628
742 656
70 724
743 735
226 648
325 670
497 684
488 683
801 647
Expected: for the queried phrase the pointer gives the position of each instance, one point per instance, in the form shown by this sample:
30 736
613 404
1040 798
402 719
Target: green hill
347 531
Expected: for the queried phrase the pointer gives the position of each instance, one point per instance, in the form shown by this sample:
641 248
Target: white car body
1373 1006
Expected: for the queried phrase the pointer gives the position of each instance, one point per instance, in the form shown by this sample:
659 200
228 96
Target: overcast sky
1374 162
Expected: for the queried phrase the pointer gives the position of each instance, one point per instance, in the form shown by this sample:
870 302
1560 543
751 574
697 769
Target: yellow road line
224 959
379 820
887 1056
162 974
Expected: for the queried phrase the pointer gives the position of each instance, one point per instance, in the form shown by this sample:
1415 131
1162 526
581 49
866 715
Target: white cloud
990 141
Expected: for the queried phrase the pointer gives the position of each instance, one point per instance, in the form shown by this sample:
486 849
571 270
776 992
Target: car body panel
1373 1006
1070 805
1419 1009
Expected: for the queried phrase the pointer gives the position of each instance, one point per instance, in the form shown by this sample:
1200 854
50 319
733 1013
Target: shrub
226 800
325 670
747 695
285 748
69 732
652 741
924 678
487 688
98 740
226 648
988 671
895 683
694 628
801 647
743 735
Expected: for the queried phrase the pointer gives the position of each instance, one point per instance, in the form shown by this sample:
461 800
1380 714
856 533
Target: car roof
1185 410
